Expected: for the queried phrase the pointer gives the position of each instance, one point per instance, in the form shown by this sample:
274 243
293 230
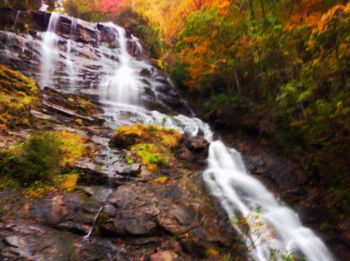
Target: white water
43 7
88 235
272 225
266 224
123 84
49 52
16 19
138 49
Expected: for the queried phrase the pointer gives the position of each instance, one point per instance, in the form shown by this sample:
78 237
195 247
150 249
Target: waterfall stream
269 227
49 52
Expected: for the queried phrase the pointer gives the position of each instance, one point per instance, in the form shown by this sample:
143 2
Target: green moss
18 95
161 180
152 145
127 136
129 160
150 155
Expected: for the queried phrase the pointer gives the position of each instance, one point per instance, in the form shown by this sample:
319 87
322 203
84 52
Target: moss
151 156
18 95
73 147
212 252
38 189
69 182
80 105
77 104
126 136
8 183
161 180
129 160
152 145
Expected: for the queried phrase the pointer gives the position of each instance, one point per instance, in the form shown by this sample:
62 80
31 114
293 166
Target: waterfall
271 229
43 6
16 19
123 84
49 52
138 46
272 226
69 59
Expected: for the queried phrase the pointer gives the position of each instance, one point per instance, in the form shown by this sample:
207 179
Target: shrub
41 158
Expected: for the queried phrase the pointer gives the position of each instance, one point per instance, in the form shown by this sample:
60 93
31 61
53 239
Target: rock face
86 54
117 211
193 148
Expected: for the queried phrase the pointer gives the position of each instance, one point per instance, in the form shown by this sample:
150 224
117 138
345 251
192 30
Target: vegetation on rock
18 95
149 144
41 158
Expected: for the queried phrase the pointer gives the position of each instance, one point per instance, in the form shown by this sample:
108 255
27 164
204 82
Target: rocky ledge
134 195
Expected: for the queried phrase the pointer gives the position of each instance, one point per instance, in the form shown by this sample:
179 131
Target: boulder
129 170
193 148
164 256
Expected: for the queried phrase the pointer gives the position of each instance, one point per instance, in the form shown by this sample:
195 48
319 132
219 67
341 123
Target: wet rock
134 224
53 245
164 256
195 144
177 219
65 112
86 35
123 141
74 227
193 148
90 175
145 72
280 172
129 170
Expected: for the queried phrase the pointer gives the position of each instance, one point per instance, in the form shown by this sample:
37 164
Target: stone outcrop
93 49
128 213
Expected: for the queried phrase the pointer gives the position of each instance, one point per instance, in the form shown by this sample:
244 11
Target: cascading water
138 46
69 59
122 86
267 225
49 52
16 19
274 229
43 6
272 226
